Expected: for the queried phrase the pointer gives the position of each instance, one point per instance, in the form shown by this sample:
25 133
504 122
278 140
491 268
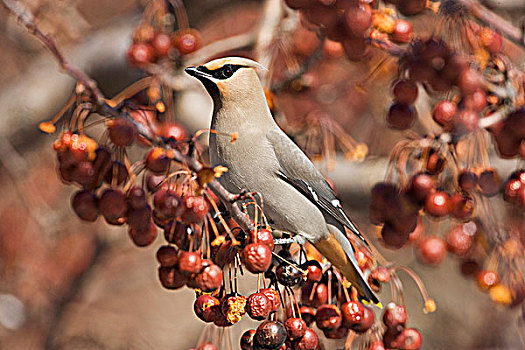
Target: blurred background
67 284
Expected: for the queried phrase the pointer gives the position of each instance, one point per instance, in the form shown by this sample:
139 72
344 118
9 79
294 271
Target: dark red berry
353 312
84 203
444 113
121 131
257 257
171 278
167 256
394 316
206 307
247 339
295 327
489 183
401 116
258 306
195 209
467 180
157 161
366 322
270 334
273 296
143 237
168 203
438 204
113 206
210 278
309 341
189 263
405 91
328 316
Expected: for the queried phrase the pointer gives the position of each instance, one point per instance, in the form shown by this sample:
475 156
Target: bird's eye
227 72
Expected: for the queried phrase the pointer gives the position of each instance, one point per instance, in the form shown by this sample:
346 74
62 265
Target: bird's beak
198 72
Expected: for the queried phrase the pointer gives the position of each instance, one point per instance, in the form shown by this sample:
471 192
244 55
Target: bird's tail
339 251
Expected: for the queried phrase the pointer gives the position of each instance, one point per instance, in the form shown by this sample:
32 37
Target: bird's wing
296 169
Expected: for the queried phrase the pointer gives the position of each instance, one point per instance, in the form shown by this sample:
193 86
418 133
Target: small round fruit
171 278
258 306
431 250
401 116
167 256
273 296
421 186
288 275
257 257
487 279
402 31
353 312
157 161
270 334
328 316
489 183
394 316
140 54
405 91
84 204
438 204
444 113
189 263
309 341
121 131
409 339
392 238
195 209
467 180
207 307
295 327
366 322
460 238
210 278
162 44
247 339
113 206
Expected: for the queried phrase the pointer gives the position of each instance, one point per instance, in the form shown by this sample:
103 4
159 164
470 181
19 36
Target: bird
297 198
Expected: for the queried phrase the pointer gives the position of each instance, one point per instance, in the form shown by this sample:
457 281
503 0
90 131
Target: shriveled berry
328 316
489 183
167 256
258 306
233 307
210 278
263 236
273 296
257 257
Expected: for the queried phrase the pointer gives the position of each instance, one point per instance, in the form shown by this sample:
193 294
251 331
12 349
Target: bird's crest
241 61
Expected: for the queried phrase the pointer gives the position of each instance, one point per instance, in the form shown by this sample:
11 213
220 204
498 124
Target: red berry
460 238
273 296
113 206
263 236
210 278
401 116
358 19
258 306
486 279
469 81
467 120
438 204
140 54
121 131
171 278
195 209
295 327
421 186
315 273
162 44
270 335
309 341
476 101
376 345
409 339
247 339
157 161
206 307
139 218
257 257
462 206
355 48
172 131
167 256
467 180
353 312
444 113
513 187
84 203
366 322
168 204
411 7
489 183
143 237
328 316
394 316
431 250
405 91
186 41
392 238
402 31
189 263
307 314
435 163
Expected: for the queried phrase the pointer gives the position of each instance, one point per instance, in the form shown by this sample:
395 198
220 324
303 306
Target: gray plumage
264 159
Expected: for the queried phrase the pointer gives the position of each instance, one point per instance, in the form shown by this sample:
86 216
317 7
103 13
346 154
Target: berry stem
430 305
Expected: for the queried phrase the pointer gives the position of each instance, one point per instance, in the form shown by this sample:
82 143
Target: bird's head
229 79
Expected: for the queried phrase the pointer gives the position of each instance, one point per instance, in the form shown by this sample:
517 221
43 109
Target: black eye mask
222 73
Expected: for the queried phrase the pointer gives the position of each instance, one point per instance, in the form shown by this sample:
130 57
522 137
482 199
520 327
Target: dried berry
270 334
257 257
210 278
288 275
295 327
189 263
207 307
233 308
273 296
258 306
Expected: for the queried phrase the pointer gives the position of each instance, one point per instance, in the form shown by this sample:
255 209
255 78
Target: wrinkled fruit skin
273 296
210 278
234 308
258 306
257 257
